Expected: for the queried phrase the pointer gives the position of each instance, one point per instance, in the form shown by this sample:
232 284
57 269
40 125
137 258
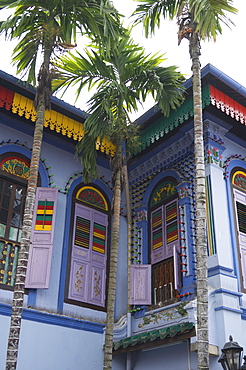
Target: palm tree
197 19
123 78
45 27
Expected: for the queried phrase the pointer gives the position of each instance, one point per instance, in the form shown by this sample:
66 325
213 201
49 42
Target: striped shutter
140 284
171 227
157 238
40 253
240 200
89 255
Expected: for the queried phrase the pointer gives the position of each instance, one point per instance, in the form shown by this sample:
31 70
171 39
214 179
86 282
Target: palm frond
209 15
150 12
124 78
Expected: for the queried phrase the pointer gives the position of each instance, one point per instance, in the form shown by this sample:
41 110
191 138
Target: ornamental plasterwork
239 179
160 318
162 159
213 155
97 286
183 192
15 167
79 279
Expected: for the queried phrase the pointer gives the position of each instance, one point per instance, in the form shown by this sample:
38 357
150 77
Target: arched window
239 190
88 248
164 242
14 172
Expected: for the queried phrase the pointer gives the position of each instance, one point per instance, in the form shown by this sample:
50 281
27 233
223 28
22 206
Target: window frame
70 245
18 181
166 257
236 189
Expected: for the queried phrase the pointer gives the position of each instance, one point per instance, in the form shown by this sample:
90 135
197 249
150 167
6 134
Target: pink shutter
79 280
89 255
98 259
176 266
40 253
81 254
97 285
240 199
140 284
157 237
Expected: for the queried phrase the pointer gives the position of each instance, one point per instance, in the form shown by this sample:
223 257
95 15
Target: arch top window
88 250
238 181
14 172
164 242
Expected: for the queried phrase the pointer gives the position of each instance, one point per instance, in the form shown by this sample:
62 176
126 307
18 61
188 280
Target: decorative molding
54 319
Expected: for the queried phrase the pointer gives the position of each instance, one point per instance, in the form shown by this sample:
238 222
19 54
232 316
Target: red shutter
40 253
240 199
140 284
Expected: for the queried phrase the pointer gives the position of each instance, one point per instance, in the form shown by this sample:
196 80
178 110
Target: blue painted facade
59 333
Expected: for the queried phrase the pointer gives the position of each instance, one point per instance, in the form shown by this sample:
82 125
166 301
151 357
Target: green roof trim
152 336
164 125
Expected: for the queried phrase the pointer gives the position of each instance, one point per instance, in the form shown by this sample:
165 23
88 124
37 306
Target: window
239 190
13 174
164 243
88 250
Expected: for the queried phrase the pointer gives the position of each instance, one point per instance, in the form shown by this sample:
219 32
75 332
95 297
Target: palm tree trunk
19 288
113 265
201 237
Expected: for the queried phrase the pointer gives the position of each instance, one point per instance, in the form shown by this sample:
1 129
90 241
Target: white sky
228 53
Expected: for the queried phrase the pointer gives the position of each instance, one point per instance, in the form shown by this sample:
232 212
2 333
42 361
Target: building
155 311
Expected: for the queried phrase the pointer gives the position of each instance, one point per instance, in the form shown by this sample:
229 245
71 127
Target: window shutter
40 253
140 284
171 227
240 199
157 239
176 266
89 255
98 259
80 257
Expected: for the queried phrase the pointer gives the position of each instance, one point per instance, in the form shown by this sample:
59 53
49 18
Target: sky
228 53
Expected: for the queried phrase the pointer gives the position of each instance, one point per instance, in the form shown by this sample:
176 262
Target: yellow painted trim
58 122
96 190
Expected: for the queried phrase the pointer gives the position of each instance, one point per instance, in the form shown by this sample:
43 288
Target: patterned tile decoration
44 215
82 232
